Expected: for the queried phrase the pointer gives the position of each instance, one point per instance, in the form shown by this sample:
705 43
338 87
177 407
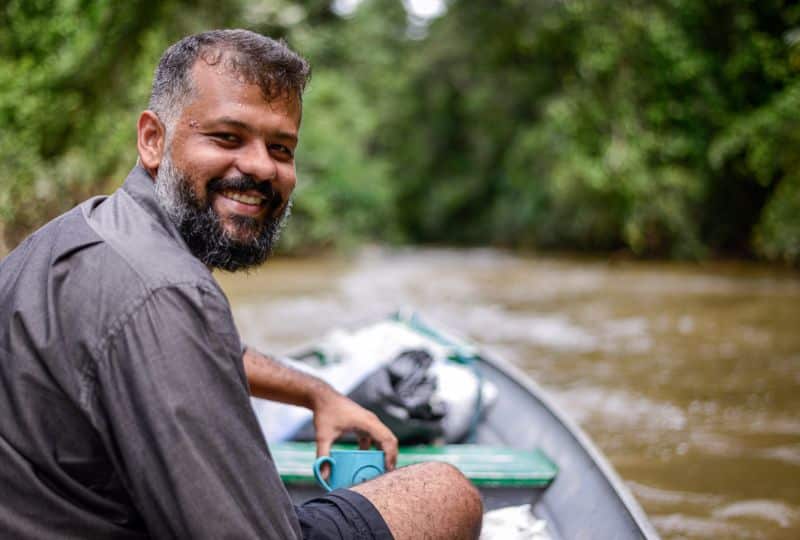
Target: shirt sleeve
172 403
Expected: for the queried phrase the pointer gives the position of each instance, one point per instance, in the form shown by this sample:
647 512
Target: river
686 376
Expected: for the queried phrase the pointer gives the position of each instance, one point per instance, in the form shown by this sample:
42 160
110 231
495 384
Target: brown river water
686 376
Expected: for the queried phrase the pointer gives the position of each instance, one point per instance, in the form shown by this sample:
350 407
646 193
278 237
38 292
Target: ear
151 141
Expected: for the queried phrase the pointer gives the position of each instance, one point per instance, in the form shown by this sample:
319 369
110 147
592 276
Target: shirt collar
141 187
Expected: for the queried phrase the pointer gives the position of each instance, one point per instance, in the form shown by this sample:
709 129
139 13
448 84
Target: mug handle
318 474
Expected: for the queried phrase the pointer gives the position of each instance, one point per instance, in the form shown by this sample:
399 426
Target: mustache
247 183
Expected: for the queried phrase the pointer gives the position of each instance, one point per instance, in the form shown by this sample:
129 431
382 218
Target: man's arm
170 402
334 414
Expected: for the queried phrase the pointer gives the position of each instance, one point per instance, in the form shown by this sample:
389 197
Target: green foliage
777 236
665 127
598 125
74 74
343 193
768 139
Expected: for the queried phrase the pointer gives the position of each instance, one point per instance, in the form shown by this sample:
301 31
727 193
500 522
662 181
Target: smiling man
124 387
226 176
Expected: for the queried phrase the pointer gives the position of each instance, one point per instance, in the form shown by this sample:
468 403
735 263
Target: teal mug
349 467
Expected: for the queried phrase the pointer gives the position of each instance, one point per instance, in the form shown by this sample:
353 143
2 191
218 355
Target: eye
282 151
227 139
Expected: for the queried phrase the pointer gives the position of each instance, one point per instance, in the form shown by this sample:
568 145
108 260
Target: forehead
219 91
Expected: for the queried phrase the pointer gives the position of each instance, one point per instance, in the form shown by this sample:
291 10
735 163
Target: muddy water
687 377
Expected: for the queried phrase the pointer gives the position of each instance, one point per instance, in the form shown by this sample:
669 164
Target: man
124 408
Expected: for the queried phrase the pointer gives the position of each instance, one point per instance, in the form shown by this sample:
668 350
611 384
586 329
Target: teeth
241 197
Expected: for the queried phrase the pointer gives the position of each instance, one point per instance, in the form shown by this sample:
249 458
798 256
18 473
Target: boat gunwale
519 377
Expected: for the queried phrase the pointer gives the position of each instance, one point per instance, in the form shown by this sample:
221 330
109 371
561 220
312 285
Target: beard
252 240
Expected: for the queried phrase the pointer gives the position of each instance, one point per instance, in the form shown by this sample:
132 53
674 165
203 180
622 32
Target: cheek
211 163
202 165
287 176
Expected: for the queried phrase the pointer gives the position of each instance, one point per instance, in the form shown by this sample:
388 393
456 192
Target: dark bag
401 394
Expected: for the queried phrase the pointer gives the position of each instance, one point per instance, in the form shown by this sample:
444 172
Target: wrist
320 394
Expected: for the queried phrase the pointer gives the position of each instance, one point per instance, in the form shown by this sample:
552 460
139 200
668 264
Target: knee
465 495
432 497
457 484
447 473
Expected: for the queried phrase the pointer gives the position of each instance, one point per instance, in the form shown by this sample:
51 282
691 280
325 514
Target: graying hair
251 57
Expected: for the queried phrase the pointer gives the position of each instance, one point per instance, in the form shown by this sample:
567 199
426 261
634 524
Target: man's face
228 170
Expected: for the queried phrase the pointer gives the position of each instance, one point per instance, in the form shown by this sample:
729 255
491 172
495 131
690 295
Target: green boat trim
489 466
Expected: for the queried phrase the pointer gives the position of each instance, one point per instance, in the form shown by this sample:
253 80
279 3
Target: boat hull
587 499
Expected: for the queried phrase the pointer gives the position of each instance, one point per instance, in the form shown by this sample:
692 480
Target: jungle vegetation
660 128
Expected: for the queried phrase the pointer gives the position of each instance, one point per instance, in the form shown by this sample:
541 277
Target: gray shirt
124 408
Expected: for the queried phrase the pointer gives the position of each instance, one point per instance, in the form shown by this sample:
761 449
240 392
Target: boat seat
492 466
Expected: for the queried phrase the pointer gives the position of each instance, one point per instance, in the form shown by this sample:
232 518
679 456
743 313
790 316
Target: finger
388 443
324 449
364 441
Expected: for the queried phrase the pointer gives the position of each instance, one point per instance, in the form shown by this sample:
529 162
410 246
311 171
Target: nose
256 162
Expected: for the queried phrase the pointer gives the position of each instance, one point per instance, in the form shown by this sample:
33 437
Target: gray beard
203 231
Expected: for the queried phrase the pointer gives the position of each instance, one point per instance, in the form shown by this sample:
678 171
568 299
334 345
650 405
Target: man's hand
335 414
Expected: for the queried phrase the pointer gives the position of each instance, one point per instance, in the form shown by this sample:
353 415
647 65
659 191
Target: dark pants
342 514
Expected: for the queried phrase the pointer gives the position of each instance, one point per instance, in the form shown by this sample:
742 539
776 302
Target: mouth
243 203
244 196
250 199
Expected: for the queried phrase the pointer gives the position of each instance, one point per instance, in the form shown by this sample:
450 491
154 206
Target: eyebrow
233 122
